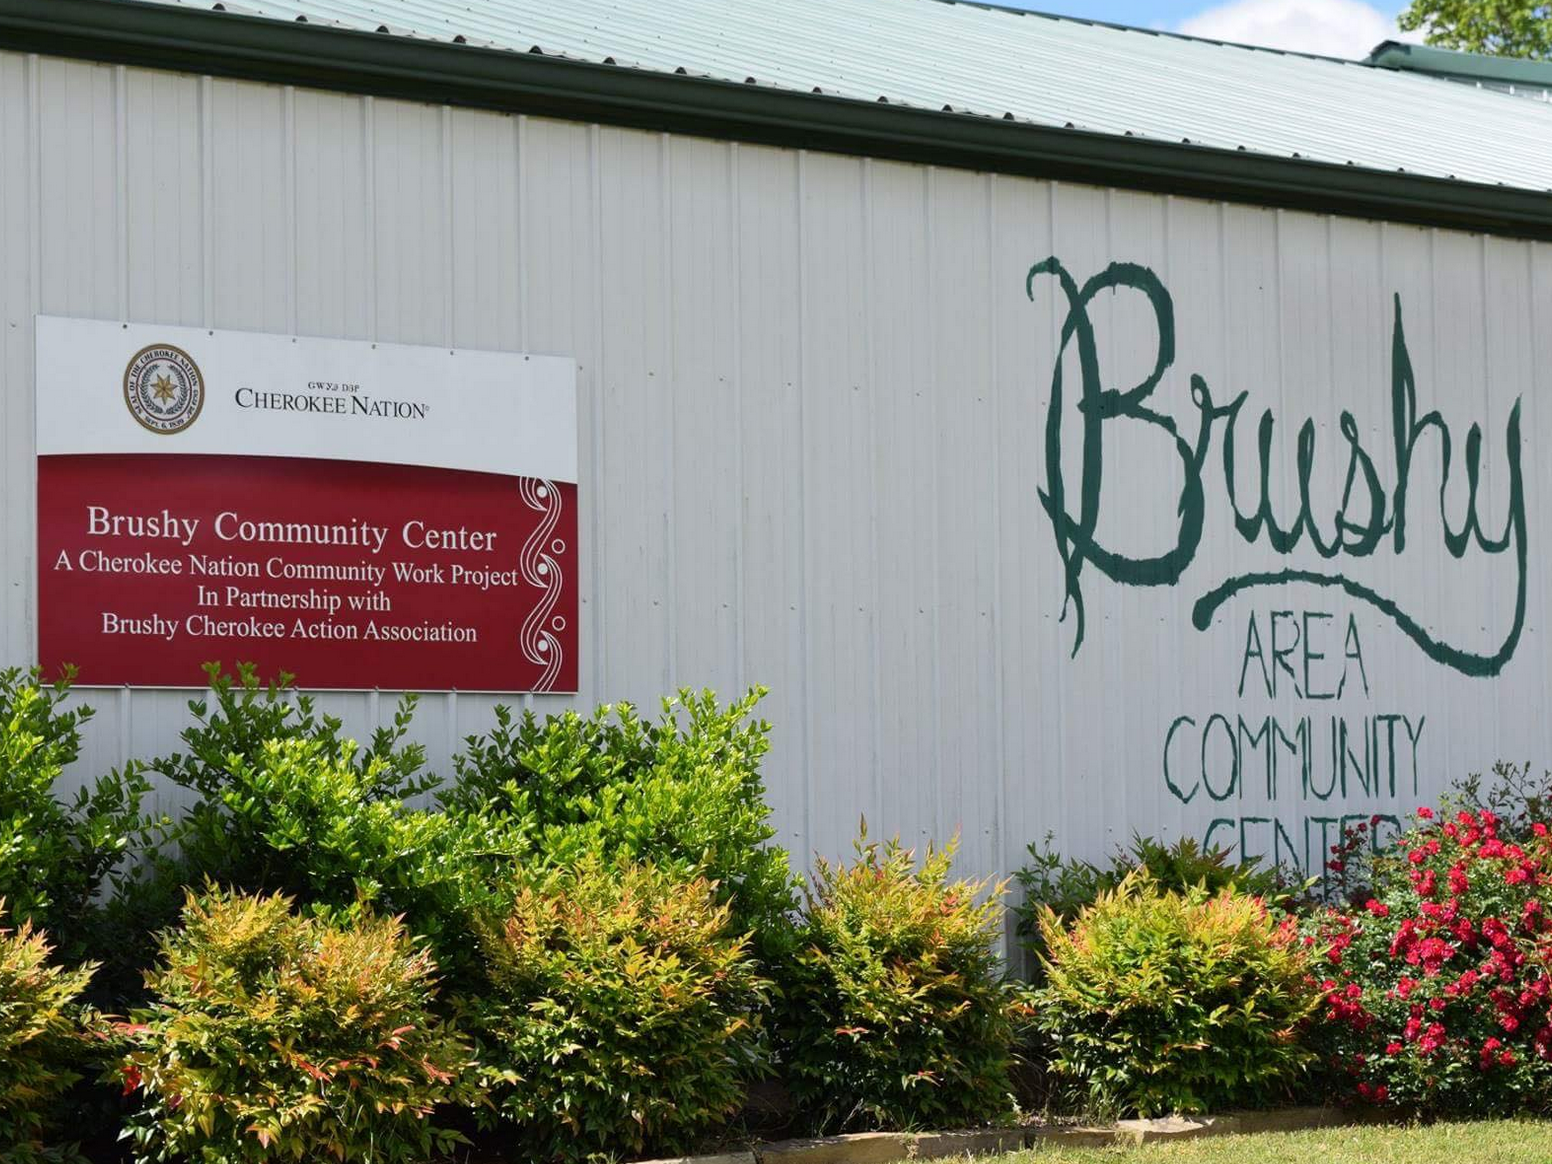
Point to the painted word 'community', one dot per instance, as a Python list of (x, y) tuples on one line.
[(1368, 517)]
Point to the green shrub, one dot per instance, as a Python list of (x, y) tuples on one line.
[(276, 1036), (1066, 886), (226, 836), (284, 804), (38, 1028), (1162, 1001), (247, 713), (55, 856), (895, 1012), (621, 1014), (301, 816), (684, 794)]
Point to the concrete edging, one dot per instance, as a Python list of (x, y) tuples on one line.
[(889, 1147)]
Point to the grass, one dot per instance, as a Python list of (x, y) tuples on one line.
[(1498, 1142)]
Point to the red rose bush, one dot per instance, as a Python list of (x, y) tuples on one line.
[(1436, 985)]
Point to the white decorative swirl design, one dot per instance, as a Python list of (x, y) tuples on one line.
[(540, 568)]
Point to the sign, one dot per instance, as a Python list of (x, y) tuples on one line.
[(362, 515)]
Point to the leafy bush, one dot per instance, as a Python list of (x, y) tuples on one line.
[(1438, 995), (272, 1035), (895, 1012), (621, 1014), (684, 793), (300, 818), (247, 714), (56, 856), (285, 805), (222, 837), (38, 1028), (1161, 1001), (1066, 886)]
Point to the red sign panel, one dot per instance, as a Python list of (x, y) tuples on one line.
[(346, 574)]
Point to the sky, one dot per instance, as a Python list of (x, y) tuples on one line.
[(1340, 28)]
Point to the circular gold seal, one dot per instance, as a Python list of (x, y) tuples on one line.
[(164, 389)]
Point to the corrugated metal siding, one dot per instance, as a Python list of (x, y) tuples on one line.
[(813, 400), (992, 62)]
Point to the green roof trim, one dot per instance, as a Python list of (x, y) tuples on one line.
[(1438, 62), (311, 55)]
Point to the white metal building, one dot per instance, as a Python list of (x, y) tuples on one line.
[(1044, 411)]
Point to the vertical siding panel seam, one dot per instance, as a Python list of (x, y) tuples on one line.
[(1487, 381), (126, 711), (374, 702), (520, 226), (1487, 384), (1163, 252), (449, 274), (667, 317), (736, 388), (1331, 321), (35, 297), (445, 159), (207, 201), (369, 187), (994, 418), (35, 186), (1333, 380), (1290, 475), (1108, 649), (1430, 685), (1289, 465), (288, 155), (207, 252), (805, 675), (934, 395), (870, 371), (519, 211), (121, 297), (1152, 804), (595, 403), (1053, 331), (1531, 282), (120, 193)]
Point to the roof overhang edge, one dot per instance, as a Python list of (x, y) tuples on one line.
[(229, 45)]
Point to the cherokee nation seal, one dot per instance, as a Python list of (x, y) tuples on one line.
[(164, 389)]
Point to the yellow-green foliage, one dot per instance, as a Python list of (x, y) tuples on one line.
[(621, 1015), (1169, 1001), (273, 1036), (896, 1013), (37, 1027), (683, 793)]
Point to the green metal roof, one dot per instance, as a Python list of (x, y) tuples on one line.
[(980, 60)]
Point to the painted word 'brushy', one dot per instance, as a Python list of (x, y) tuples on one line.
[(1368, 517)]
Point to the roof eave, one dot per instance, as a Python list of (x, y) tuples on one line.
[(230, 45)]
